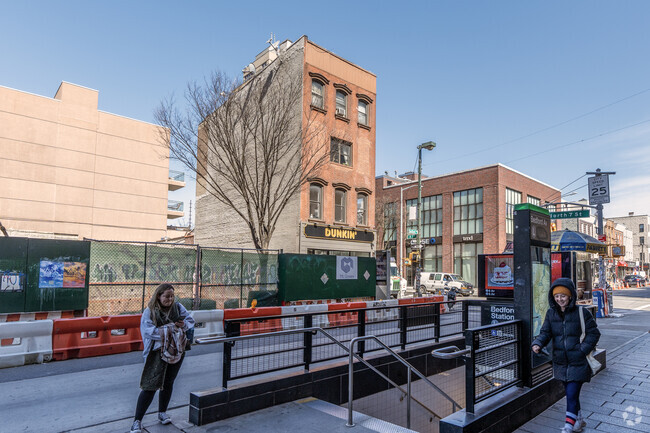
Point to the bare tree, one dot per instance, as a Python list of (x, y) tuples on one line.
[(249, 145), (387, 221)]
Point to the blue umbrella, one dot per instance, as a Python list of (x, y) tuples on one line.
[(568, 240)]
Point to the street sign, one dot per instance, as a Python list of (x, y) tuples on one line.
[(584, 213), (599, 189), (602, 238), (411, 236), (413, 231)]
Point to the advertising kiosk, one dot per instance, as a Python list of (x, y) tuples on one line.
[(532, 280)]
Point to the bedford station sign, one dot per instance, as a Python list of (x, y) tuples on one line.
[(338, 233)]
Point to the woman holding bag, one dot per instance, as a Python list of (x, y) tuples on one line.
[(163, 326), (562, 325)]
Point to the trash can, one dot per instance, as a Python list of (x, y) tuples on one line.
[(599, 302)]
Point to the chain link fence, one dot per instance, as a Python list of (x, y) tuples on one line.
[(124, 275)]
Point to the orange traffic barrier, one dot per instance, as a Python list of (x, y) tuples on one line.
[(261, 320), (95, 336), (339, 317)]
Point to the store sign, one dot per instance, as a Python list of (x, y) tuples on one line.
[(618, 251), (338, 233), (540, 227), (476, 237)]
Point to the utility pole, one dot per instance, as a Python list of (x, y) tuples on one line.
[(598, 195), (429, 145)]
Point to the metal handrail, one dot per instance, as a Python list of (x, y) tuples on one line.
[(351, 353), (408, 392)]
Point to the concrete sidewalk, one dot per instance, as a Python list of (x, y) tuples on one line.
[(616, 400)]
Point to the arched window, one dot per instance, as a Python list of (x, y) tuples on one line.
[(317, 94), (341, 103), (315, 201), (362, 209), (363, 108), (340, 196)]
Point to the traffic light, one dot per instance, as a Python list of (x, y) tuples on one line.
[(415, 257), (553, 227)]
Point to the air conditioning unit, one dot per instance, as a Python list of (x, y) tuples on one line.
[(340, 111)]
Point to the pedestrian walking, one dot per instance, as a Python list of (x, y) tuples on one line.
[(163, 326), (562, 326)]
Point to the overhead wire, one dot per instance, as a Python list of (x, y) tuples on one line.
[(539, 131)]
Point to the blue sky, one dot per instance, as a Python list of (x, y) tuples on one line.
[(552, 89)]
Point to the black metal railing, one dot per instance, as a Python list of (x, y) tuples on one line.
[(175, 205), (178, 176), (492, 360), (252, 346)]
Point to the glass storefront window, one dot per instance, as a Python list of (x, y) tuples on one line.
[(465, 260)]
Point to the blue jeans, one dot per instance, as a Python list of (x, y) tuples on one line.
[(572, 390)]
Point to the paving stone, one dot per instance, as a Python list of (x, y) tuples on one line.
[(618, 421)]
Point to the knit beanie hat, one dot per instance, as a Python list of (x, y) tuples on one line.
[(561, 290)]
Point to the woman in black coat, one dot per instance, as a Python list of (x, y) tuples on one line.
[(562, 327)]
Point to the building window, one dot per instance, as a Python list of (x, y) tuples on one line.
[(534, 200), (465, 261), (641, 228), (362, 209), (432, 258), (315, 201), (468, 211), (339, 205), (363, 113), (431, 223), (642, 240), (512, 198), (317, 94), (341, 152), (341, 103)]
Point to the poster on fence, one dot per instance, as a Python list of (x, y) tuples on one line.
[(346, 267), (50, 274), (54, 275), (11, 282)]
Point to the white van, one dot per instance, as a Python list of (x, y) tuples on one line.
[(440, 282)]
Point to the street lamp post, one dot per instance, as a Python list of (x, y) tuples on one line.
[(402, 248), (429, 145)]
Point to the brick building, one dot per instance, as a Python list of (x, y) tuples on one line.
[(334, 211), (638, 225), (463, 214)]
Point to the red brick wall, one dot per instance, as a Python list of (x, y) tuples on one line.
[(362, 172), (494, 180)]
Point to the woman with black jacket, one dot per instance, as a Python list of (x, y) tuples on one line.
[(562, 327)]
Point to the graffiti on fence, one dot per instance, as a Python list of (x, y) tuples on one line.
[(228, 274), (125, 263)]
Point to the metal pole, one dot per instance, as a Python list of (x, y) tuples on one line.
[(350, 384), (408, 400), (418, 268), (402, 247)]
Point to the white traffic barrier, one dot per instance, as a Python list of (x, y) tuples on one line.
[(32, 343), (382, 314), (209, 323), (319, 318)]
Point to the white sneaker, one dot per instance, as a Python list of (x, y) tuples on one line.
[(579, 425), (566, 429), (136, 427), (164, 418)]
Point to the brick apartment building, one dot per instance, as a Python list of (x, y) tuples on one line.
[(464, 214), (334, 212)]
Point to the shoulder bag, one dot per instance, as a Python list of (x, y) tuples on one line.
[(591, 360)]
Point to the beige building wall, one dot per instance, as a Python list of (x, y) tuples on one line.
[(70, 170)]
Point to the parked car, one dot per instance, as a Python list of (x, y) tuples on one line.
[(635, 280), (441, 282)]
